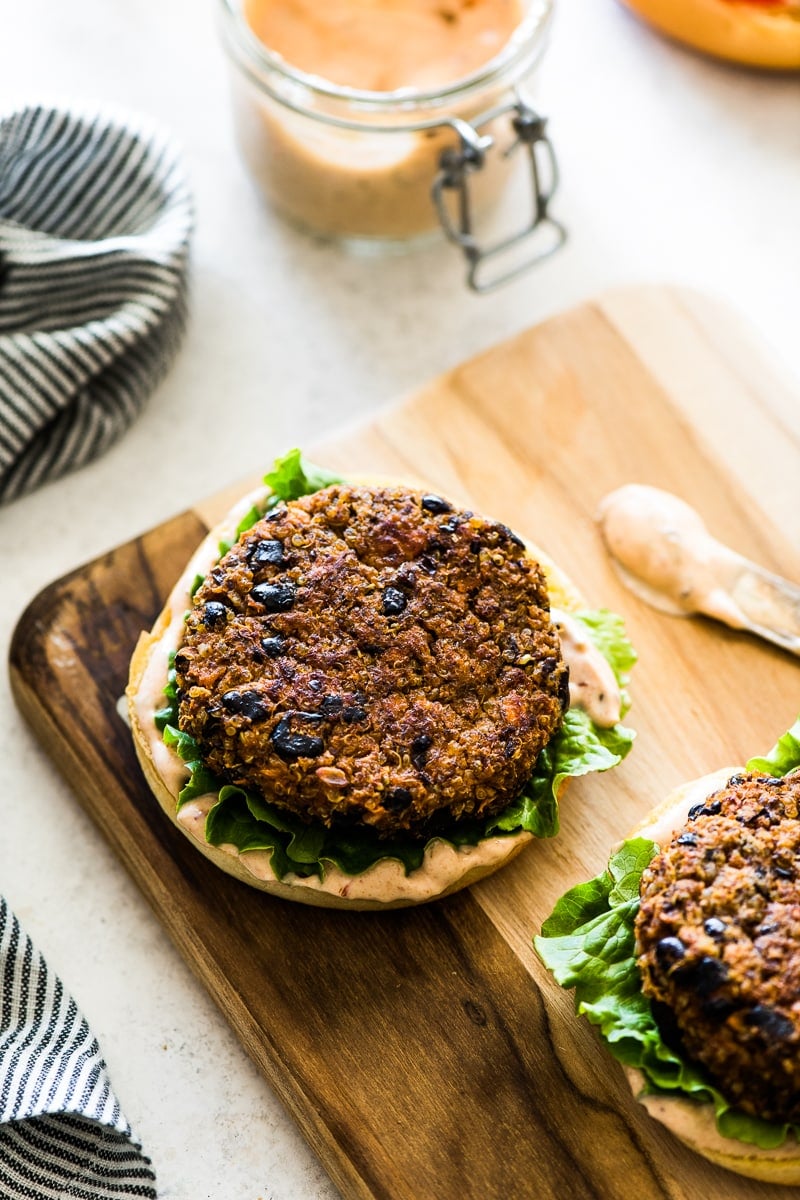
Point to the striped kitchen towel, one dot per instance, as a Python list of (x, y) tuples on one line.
[(62, 1133), (95, 222)]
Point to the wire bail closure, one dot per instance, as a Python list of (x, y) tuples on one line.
[(457, 163)]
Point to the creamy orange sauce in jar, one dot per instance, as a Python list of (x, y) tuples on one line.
[(382, 45), (330, 95)]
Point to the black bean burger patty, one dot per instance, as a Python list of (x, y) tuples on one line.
[(372, 655), (718, 935)]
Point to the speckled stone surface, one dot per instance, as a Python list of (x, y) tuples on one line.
[(674, 169)]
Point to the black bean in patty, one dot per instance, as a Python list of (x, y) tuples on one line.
[(266, 551), (274, 597)]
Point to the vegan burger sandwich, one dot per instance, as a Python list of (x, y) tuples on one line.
[(357, 694), (685, 953)]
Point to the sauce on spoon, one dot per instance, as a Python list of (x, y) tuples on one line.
[(666, 556)]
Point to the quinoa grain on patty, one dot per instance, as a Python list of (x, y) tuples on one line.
[(373, 656), (718, 937)]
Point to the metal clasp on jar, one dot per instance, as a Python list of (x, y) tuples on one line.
[(452, 183)]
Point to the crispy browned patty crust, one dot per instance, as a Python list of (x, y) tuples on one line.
[(372, 655), (718, 934)]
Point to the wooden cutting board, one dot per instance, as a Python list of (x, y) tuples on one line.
[(425, 1052)]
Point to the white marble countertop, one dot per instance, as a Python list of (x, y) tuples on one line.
[(674, 169)]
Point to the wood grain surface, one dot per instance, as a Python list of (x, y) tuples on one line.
[(425, 1052)]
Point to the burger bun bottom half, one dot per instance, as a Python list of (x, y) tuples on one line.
[(446, 868), (694, 1123)]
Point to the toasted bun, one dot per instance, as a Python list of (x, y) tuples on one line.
[(694, 1123), (757, 34), (446, 868)]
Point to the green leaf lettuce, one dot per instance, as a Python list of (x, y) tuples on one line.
[(783, 757), (294, 476)]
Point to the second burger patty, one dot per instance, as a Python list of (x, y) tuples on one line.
[(373, 656), (718, 935)]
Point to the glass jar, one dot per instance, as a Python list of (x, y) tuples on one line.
[(382, 170)]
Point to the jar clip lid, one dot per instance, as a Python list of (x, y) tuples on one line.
[(457, 163)]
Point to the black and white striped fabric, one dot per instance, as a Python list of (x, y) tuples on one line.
[(62, 1133), (95, 223)]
